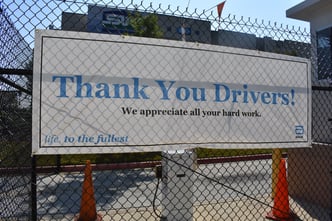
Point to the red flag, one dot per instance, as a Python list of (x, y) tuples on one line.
[(220, 8)]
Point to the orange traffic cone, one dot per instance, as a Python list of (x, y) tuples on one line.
[(281, 210), (88, 202)]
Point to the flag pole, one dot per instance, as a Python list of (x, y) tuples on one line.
[(214, 6), (211, 8), (183, 26), (220, 7), (188, 3)]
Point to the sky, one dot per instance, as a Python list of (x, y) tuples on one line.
[(27, 15), (267, 10)]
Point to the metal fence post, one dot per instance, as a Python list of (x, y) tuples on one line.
[(58, 163), (331, 196), (33, 189)]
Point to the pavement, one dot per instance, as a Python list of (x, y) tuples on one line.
[(242, 210), (123, 195)]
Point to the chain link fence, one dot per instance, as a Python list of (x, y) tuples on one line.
[(197, 184)]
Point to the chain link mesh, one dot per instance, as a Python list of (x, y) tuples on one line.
[(204, 184)]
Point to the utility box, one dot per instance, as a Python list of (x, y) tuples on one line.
[(178, 179)]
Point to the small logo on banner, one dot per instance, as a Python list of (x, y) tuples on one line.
[(299, 131)]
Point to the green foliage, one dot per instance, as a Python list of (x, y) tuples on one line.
[(15, 154), (145, 25), (29, 66), (209, 153), (141, 157), (51, 160)]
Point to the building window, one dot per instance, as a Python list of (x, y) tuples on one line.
[(324, 53)]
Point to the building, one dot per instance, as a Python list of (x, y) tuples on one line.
[(73, 22), (311, 168), (318, 13), (250, 41), (116, 21)]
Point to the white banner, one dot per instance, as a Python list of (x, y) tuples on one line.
[(99, 93)]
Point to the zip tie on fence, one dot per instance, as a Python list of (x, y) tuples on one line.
[(226, 186)]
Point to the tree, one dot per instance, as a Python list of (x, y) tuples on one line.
[(29, 66), (145, 25)]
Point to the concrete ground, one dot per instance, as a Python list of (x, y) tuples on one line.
[(236, 211), (242, 210)]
